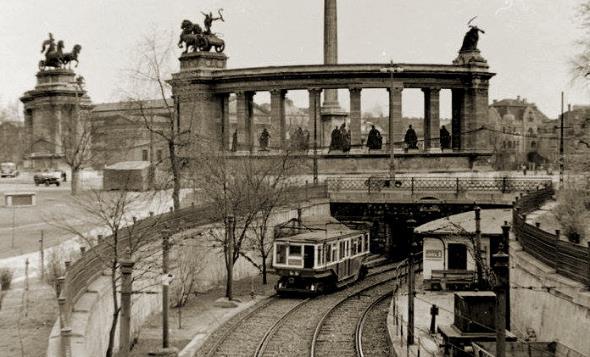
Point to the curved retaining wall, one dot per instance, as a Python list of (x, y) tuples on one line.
[(90, 316), (555, 307)]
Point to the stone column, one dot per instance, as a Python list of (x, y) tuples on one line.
[(474, 116), (330, 47), (314, 113), (456, 119), (245, 119), (278, 129), (250, 124), (395, 117), (431, 118), (226, 133), (242, 118), (355, 117)]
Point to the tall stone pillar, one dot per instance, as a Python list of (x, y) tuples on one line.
[(456, 118), (355, 117), (314, 113), (226, 133), (474, 116), (50, 109), (278, 129), (431, 118), (332, 114), (330, 49), (395, 117)]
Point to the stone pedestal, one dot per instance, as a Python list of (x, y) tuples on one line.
[(470, 58), (50, 110), (202, 111), (202, 61)]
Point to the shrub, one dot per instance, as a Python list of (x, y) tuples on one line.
[(5, 278), (54, 267), (571, 212)]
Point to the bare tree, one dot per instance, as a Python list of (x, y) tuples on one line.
[(112, 211), (580, 63), (76, 137), (273, 193), (189, 261), (148, 81), (241, 191)]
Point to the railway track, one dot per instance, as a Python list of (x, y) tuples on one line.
[(286, 327), (370, 334)]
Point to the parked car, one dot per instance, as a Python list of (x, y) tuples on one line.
[(8, 169), (47, 178)]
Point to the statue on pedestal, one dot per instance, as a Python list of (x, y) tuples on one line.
[(471, 37), (195, 38), (54, 55), (469, 54)]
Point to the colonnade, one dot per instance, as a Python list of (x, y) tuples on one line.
[(462, 104)]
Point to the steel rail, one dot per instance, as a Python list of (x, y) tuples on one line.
[(361, 322)]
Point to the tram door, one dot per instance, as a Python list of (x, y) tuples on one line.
[(308, 256)]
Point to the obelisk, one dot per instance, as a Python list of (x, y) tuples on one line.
[(332, 114)]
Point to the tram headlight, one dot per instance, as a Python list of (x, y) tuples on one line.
[(312, 287)]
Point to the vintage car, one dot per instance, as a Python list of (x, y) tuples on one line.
[(47, 178), (8, 169)]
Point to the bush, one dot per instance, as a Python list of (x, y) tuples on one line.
[(5, 278), (571, 212), (54, 266)]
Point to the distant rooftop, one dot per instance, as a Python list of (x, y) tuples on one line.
[(491, 223)]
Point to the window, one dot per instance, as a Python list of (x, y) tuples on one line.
[(144, 155), (354, 247), (281, 254), (334, 251), (294, 251), (342, 250), (328, 254), (320, 256)]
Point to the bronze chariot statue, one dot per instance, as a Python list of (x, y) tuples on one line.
[(195, 39), (54, 55)]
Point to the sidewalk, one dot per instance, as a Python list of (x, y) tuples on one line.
[(200, 318)]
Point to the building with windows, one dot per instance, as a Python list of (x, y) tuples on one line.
[(12, 142), (520, 134)]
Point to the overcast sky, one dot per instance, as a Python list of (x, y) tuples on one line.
[(528, 43)]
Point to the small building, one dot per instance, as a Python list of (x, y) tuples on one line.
[(127, 175), (448, 247)]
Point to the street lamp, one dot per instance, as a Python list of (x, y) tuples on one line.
[(393, 68)]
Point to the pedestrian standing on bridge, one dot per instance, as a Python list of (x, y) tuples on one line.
[(411, 139)]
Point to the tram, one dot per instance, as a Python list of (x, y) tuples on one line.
[(319, 261)]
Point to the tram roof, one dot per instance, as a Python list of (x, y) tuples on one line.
[(321, 236)]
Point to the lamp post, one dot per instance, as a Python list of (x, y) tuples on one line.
[(393, 68)]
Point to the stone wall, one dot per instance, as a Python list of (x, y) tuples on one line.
[(554, 307)]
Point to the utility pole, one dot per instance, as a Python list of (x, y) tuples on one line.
[(42, 256), (411, 224), (477, 247), (393, 68), (165, 283), (126, 266), (500, 287), (229, 238), (561, 151)]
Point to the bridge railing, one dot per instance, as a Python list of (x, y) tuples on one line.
[(379, 184), (568, 259)]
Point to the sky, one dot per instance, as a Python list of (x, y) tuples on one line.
[(528, 43)]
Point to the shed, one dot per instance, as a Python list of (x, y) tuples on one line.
[(447, 248), (127, 175)]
